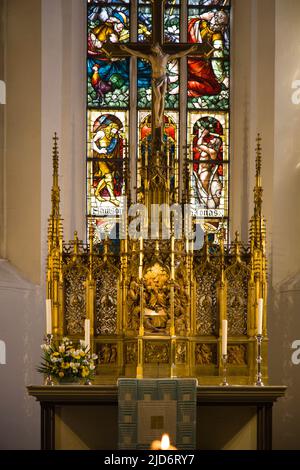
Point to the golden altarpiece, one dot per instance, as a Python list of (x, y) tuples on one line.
[(156, 306)]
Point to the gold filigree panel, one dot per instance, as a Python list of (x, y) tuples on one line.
[(206, 300), (106, 278), (237, 299), (75, 299)]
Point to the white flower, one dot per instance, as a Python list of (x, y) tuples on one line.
[(92, 367), (45, 347), (61, 348), (149, 94), (94, 356), (172, 29)]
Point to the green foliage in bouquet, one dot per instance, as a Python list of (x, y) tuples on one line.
[(66, 361)]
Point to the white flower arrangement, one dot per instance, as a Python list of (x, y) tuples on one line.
[(65, 361)]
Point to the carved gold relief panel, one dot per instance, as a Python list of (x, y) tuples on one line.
[(205, 354), (157, 352), (107, 353), (237, 354)]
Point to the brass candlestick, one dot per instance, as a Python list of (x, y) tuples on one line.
[(48, 379), (224, 363), (259, 381)]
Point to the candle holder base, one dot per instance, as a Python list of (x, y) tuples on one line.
[(48, 381), (48, 378), (259, 382), (224, 383), (173, 371)]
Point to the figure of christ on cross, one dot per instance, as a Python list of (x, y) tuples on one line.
[(159, 61), (158, 54)]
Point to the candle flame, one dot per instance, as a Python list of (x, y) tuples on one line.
[(165, 442)]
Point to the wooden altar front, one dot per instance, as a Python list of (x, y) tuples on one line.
[(86, 417)]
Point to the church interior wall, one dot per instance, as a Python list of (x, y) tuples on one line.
[(284, 269), (46, 93), (2, 101), (23, 136)]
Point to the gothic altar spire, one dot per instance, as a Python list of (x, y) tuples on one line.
[(55, 221), (257, 223)]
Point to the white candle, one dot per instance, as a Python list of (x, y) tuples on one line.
[(260, 316), (87, 333), (48, 317), (187, 244), (224, 337)]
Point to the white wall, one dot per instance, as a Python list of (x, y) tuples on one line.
[(63, 110), (285, 260), (20, 323), (45, 73)]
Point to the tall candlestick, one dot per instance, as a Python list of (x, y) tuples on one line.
[(48, 317), (87, 333), (172, 257), (224, 337), (141, 258), (260, 316)]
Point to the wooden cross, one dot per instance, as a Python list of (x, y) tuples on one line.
[(158, 53)]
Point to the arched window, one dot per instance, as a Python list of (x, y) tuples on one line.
[(196, 104)]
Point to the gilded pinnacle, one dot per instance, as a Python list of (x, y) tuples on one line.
[(55, 154), (258, 155)]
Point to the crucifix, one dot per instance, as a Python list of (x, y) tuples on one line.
[(158, 54)]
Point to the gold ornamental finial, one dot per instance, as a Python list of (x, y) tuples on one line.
[(258, 155), (237, 243), (206, 247), (55, 154), (256, 223), (91, 231), (55, 231), (55, 196), (75, 243)]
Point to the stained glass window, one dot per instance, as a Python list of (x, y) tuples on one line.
[(119, 104), (208, 112), (108, 98)]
